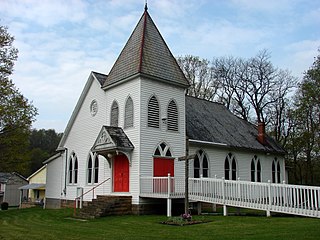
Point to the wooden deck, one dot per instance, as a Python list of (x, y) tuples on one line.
[(270, 197)]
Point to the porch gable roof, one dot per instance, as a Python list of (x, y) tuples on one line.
[(112, 139)]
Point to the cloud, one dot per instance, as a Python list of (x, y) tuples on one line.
[(300, 55), (273, 6), (45, 12)]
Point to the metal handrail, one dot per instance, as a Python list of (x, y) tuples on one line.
[(92, 189)]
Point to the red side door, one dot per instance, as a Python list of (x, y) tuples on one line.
[(120, 174), (161, 168)]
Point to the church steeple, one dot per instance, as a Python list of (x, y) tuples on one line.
[(147, 54), (146, 6)]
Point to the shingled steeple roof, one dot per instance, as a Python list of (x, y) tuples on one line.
[(147, 54)]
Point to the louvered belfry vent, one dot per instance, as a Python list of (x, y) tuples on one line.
[(153, 112), (172, 116)]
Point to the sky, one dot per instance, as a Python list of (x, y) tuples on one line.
[(61, 41)]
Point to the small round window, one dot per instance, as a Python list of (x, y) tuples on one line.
[(94, 107)]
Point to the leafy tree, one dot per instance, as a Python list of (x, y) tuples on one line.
[(307, 125), (16, 113), (43, 144)]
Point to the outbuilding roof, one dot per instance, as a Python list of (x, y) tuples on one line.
[(5, 176), (212, 122), (33, 186)]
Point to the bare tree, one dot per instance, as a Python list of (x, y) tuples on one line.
[(230, 73), (200, 75)]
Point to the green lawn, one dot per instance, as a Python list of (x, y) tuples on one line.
[(37, 223)]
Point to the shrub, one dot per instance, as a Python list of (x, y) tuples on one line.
[(4, 206)]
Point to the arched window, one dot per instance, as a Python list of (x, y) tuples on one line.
[(163, 162), (96, 169), (234, 169), (230, 160), (273, 172), (70, 170), (226, 168), (258, 171), (255, 169), (114, 114), (75, 170), (153, 112), (200, 165), (128, 113), (276, 171), (89, 170), (172, 113), (196, 167), (162, 150)]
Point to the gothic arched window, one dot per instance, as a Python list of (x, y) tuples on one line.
[(114, 119), (230, 160), (200, 165), (128, 113)]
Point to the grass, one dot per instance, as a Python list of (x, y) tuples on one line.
[(37, 223)]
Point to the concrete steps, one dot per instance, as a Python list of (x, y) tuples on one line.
[(105, 206)]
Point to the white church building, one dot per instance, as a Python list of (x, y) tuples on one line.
[(134, 123)]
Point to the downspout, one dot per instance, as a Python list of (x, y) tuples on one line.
[(65, 172)]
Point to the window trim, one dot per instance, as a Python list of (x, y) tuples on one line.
[(114, 107), (232, 172), (255, 169), (126, 116), (73, 172), (201, 156), (276, 171)]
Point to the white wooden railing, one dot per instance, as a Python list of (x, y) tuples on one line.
[(269, 197)]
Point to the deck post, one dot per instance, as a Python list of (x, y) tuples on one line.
[(225, 210), (169, 207), (270, 200), (169, 201)]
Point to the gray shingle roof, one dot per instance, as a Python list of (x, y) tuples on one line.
[(4, 177), (146, 53), (100, 77), (119, 137), (112, 138), (213, 122)]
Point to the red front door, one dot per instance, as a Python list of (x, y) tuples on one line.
[(120, 174)]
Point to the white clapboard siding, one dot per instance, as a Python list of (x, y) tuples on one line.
[(83, 133), (216, 157), (152, 137), (120, 94), (55, 177)]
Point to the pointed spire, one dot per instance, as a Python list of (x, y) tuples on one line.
[(146, 6), (146, 53)]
